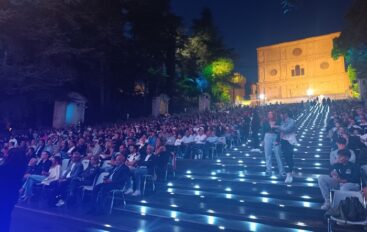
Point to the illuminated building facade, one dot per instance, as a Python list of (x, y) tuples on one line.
[(296, 70)]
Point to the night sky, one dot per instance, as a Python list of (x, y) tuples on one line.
[(248, 24)]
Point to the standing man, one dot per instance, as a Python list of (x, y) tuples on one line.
[(287, 142)]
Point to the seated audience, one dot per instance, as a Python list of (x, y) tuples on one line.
[(72, 172), (116, 179), (45, 179), (344, 175), (144, 166), (341, 143)]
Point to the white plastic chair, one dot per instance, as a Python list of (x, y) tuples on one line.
[(106, 164), (338, 196), (85, 163), (114, 192), (98, 180)]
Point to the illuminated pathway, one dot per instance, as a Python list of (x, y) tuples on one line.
[(231, 193)]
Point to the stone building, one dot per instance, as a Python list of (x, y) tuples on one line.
[(297, 70)]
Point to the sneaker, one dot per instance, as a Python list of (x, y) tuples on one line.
[(326, 205), (129, 191), (289, 179), (60, 203), (136, 193)]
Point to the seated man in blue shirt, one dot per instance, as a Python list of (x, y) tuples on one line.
[(344, 175)]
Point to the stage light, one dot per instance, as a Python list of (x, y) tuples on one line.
[(211, 220)]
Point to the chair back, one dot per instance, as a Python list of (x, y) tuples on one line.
[(85, 164), (342, 195), (106, 164), (222, 140), (101, 177), (64, 164)]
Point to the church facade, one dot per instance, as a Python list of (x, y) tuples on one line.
[(297, 70)]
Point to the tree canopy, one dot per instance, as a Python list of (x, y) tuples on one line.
[(113, 52)]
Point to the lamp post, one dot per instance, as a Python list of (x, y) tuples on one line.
[(309, 93), (262, 98)]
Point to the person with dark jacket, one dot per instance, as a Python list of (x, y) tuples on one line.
[(44, 164), (72, 172), (11, 176), (344, 175), (145, 166), (115, 180), (87, 178)]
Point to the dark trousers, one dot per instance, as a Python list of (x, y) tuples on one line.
[(59, 191), (255, 139), (287, 151), (186, 147), (100, 195)]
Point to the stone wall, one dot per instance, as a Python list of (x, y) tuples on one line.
[(288, 70)]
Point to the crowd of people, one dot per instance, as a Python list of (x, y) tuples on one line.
[(347, 131), (63, 160)]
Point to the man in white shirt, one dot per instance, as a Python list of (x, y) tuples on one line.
[(187, 142), (200, 140), (144, 166)]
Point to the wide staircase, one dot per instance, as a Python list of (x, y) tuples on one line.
[(233, 193)]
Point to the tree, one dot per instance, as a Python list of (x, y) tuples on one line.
[(352, 42), (153, 37), (49, 48), (205, 55)]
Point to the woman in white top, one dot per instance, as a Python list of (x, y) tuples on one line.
[(53, 175)]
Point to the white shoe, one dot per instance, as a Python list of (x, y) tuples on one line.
[(129, 191), (136, 193), (289, 179), (326, 206), (255, 150), (60, 203)]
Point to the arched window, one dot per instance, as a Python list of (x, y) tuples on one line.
[(298, 71)]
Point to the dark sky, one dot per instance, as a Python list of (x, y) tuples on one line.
[(248, 24)]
